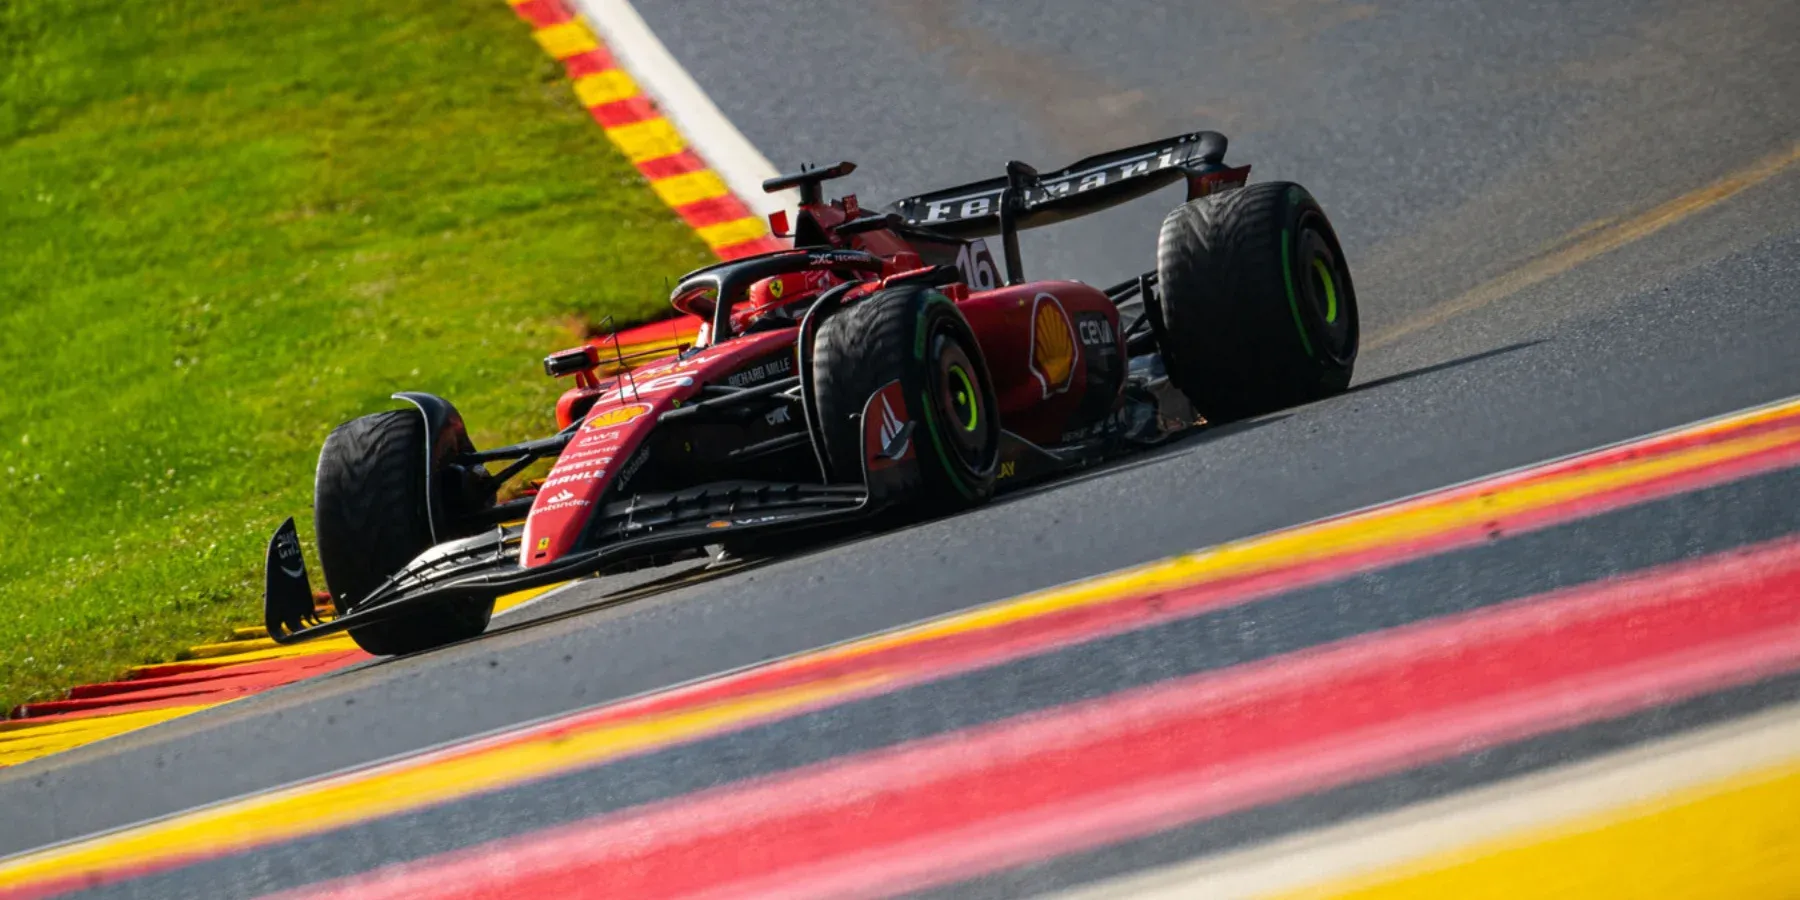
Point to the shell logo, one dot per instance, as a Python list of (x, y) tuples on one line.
[(1052, 345), (617, 416)]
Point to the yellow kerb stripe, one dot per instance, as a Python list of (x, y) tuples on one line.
[(25, 741), (1738, 838), (514, 599), (609, 86), (1335, 536), (736, 231), (571, 38), (649, 139), (237, 653), (336, 644), (230, 648), (692, 187), (409, 784), (311, 808)]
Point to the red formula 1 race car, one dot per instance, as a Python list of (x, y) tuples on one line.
[(884, 367)]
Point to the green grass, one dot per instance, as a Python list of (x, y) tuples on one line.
[(227, 226)]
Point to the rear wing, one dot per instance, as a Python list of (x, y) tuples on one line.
[(1093, 184)]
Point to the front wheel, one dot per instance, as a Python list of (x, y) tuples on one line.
[(370, 517), (1258, 309), (914, 337)]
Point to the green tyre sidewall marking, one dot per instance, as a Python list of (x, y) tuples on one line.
[(1287, 276), (919, 327), (937, 443)]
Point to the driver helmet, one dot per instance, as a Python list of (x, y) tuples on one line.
[(781, 292)]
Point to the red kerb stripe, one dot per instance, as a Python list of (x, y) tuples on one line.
[(944, 656), (592, 62), (674, 164), (543, 13), (763, 244), (951, 807), (624, 112), (714, 211)]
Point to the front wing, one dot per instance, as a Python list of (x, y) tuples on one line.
[(487, 564)]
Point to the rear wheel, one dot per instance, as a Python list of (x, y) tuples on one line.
[(916, 336), (370, 517), (1258, 310)]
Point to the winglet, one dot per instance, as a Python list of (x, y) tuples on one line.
[(287, 593)]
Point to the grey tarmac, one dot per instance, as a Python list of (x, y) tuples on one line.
[(1451, 143)]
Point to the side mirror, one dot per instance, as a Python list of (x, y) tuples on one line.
[(569, 362), (699, 300)]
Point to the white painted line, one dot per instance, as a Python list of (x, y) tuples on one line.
[(1522, 805), (707, 130)]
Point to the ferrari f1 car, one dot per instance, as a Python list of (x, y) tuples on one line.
[(884, 367)]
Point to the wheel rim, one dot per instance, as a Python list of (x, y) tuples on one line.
[(1326, 297), (960, 402), (965, 408), (1323, 282)]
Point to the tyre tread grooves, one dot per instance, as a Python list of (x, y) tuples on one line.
[(1225, 306), (370, 519)]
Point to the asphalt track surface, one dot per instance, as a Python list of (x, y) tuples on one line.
[(1455, 145)]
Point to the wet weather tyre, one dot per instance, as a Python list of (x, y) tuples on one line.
[(1258, 310), (916, 335), (370, 517)]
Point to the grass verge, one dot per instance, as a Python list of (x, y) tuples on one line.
[(227, 226)]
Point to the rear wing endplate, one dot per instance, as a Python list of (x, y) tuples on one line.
[(1093, 184)]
